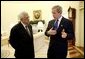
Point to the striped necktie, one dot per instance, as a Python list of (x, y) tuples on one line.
[(56, 25), (27, 29)]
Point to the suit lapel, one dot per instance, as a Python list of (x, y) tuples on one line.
[(24, 30), (61, 23), (22, 27), (53, 23), (30, 29)]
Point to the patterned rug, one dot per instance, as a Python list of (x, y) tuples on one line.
[(5, 53)]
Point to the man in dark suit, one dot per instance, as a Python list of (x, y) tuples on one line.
[(59, 30), (21, 38)]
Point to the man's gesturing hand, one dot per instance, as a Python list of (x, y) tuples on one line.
[(52, 32)]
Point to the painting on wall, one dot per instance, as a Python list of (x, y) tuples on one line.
[(37, 15)]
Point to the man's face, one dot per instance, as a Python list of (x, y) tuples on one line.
[(55, 13), (25, 18)]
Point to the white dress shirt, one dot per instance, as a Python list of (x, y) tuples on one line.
[(25, 28), (59, 20)]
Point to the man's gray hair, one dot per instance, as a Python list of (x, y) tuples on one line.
[(22, 14), (58, 8)]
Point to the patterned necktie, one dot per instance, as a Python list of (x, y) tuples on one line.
[(56, 25), (27, 29)]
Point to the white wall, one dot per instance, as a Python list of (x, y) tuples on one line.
[(80, 25), (11, 9), (81, 28)]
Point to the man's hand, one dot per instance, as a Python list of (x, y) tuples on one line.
[(63, 34), (52, 32)]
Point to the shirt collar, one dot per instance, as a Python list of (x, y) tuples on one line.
[(23, 24), (59, 19)]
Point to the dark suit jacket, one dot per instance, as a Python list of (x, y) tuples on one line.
[(21, 41), (58, 45)]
